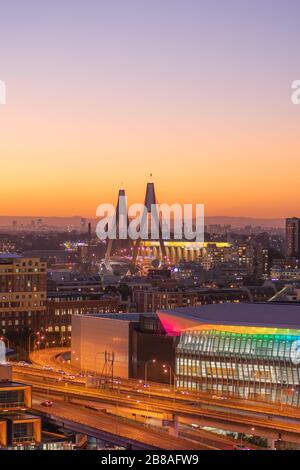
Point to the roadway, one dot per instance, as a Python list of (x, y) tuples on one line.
[(217, 414), (135, 391), (214, 441), (53, 357), (112, 429), (266, 419)]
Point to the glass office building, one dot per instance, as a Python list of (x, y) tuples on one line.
[(245, 350)]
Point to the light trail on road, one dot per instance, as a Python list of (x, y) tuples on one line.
[(111, 425)]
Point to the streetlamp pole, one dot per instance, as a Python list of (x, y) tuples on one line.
[(3, 338), (29, 345), (174, 378), (146, 368)]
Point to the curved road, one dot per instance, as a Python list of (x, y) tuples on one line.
[(116, 427)]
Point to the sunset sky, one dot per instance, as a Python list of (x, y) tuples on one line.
[(101, 93)]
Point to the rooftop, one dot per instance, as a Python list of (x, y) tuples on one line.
[(131, 317), (9, 384), (266, 315), (21, 417), (9, 256)]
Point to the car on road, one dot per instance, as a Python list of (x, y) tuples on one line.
[(240, 447), (46, 367), (219, 397), (23, 364), (47, 403), (68, 377)]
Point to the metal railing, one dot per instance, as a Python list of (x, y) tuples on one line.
[(15, 404), (23, 439)]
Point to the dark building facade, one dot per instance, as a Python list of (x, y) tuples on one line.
[(292, 233), (151, 350), (23, 292), (61, 306), (150, 300)]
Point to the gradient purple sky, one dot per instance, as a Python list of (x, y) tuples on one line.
[(101, 93)]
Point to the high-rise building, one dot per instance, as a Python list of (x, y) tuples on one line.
[(262, 266), (22, 292), (292, 233)]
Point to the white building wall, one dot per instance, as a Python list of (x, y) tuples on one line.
[(92, 336)]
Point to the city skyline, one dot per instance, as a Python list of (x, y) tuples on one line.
[(149, 229), (197, 94)]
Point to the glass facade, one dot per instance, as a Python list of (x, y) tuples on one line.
[(12, 398), (23, 432), (249, 362)]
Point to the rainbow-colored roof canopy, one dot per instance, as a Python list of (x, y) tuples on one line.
[(249, 318)]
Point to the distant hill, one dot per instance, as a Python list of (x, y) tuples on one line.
[(75, 221), (243, 221)]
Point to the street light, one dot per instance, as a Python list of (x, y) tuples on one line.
[(30, 335), (38, 341), (153, 361), (146, 368), (3, 338)]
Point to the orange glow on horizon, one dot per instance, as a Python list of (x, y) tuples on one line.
[(64, 165), (201, 101)]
